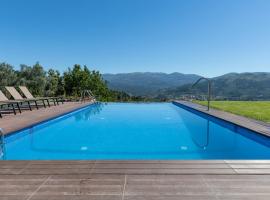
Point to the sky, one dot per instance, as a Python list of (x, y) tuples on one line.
[(205, 37)]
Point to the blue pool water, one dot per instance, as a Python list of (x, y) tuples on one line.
[(135, 131)]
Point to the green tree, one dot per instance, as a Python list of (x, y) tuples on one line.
[(34, 78), (78, 79), (8, 76), (73, 80), (98, 86), (54, 83)]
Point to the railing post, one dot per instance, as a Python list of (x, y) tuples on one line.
[(209, 90), (209, 95)]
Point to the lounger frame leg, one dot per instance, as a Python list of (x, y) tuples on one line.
[(19, 108), (13, 108), (36, 105), (29, 105), (48, 102), (43, 101)]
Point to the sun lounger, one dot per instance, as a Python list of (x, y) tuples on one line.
[(21, 104), (16, 95), (8, 106), (28, 95)]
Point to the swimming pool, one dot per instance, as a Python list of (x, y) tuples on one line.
[(135, 131)]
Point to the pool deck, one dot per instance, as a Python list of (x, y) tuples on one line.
[(135, 180), (127, 180), (254, 125), (10, 123)]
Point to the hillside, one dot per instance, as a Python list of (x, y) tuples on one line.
[(147, 84), (238, 86)]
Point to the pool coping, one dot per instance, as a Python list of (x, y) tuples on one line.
[(83, 105), (250, 124)]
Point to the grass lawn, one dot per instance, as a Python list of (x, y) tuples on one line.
[(259, 110)]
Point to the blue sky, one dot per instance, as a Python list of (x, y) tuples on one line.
[(190, 36)]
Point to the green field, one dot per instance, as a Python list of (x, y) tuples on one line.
[(259, 110)]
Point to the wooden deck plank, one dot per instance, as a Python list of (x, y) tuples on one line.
[(55, 171), (252, 171), (171, 197), (162, 161), (76, 197), (243, 196), (165, 171), (161, 166), (80, 190), (247, 161), (133, 181)]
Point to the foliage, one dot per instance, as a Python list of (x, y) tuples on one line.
[(7, 75), (259, 110), (78, 79), (52, 83), (33, 77)]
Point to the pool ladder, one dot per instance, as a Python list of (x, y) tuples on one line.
[(84, 93)]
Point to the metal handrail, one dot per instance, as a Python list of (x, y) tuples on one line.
[(209, 90), (90, 94)]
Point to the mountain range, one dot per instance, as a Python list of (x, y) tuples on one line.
[(238, 86), (148, 83)]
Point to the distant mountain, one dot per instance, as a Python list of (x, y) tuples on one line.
[(234, 86), (238, 86), (148, 83)]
